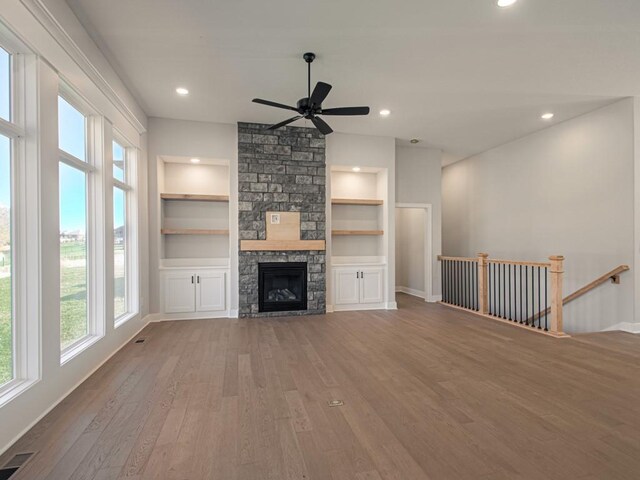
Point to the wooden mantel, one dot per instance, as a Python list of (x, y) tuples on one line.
[(283, 233), (281, 245)]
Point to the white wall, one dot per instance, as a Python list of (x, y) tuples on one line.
[(418, 180), (180, 138), (566, 190), (368, 151), (56, 61), (410, 250)]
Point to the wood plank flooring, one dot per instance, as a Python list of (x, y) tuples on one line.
[(428, 392)]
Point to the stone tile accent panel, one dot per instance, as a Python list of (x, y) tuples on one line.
[(282, 170)]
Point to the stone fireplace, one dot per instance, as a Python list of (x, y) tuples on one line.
[(281, 171)]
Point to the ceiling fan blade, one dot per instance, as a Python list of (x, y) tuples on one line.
[(346, 111), (320, 93), (286, 122), (273, 104), (321, 125)]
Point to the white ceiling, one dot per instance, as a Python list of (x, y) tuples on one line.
[(462, 75)]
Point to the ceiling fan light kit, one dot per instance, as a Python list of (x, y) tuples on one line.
[(310, 107)]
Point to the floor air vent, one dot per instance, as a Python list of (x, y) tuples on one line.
[(14, 465)]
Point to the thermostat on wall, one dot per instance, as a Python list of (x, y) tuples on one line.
[(275, 219)]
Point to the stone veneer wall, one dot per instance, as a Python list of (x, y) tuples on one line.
[(282, 171)]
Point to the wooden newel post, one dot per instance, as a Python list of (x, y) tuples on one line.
[(483, 283), (556, 272)]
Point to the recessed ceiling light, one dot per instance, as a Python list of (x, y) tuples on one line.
[(195, 160), (182, 91), (414, 140), (356, 169), (547, 116), (385, 113), (506, 3)]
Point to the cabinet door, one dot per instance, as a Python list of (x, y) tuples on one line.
[(179, 292), (211, 291), (372, 285), (346, 286)]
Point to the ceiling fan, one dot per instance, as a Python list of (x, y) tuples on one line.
[(311, 106)]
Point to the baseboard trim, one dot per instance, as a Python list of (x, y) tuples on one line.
[(628, 327), (178, 317), (145, 322), (434, 299), (410, 291)]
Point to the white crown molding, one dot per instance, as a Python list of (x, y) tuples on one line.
[(39, 10)]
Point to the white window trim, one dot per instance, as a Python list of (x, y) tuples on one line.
[(131, 228), (94, 140), (25, 219)]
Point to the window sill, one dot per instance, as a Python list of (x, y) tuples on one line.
[(121, 320), (77, 348), (14, 389)]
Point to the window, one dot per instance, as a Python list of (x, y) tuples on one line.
[(5, 85), (19, 256), (6, 277), (122, 238), (74, 228)]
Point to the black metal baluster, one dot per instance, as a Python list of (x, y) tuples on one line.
[(445, 276), (459, 285), (539, 302), (504, 291), (499, 292), (520, 309), (489, 290), (445, 293), (533, 299), (510, 310), (466, 284), (546, 305), (492, 291), (475, 272), (469, 286), (526, 294)]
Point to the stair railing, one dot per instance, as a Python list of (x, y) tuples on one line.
[(525, 294)]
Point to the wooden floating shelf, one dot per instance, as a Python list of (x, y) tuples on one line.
[(281, 245), (355, 201), (194, 198), (357, 232), (192, 231)]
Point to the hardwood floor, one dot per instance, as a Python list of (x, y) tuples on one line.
[(428, 392)]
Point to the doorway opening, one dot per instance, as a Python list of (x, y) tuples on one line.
[(414, 250)]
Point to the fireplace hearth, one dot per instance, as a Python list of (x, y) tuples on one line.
[(282, 286)]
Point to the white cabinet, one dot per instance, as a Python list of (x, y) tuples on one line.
[(371, 285), (358, 287), (194, 291), (210, 291), (346, 286), (179, 292)]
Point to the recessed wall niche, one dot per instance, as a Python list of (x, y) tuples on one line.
[(194, 211)]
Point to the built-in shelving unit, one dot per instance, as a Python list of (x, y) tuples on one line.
[(358, 208), (359, 223), (357, 232), (194, 209)]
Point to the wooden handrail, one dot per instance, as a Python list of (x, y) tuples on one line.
[(613, 275)]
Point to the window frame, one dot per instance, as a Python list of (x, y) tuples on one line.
[(25, 218), (131, 229), (94, 219)]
